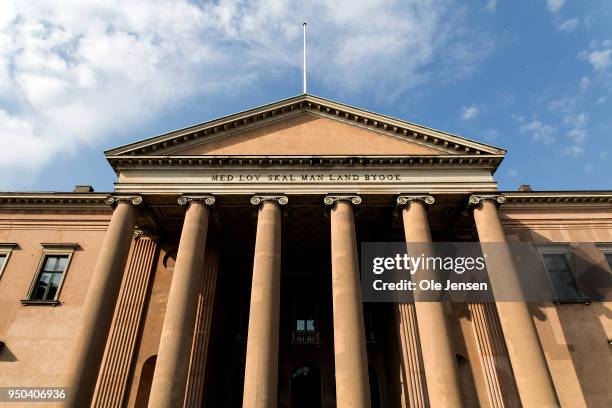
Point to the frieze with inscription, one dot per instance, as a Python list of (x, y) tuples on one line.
[(331, 177)]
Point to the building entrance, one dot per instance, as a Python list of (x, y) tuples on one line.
[(305, 388)]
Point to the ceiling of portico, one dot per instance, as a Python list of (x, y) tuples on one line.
[(306, 226)]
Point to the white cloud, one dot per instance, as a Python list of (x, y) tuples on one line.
[(601, 100), (579, 120), (572, 151), (77, 74), (19, 136), (572, 128), (490, 135), (563, 104), (554, 5), (469, 112), (585, 83), (491, 5), (600, 60), (569, 25), (540, 132), (577, 133)]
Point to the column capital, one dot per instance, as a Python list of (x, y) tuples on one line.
[(406, 199), (187, 199), (333, 199), (145, 232), (259, 199), (477, 199), (113, 200)]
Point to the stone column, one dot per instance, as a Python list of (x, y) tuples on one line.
[(202, 330), (261, 370), (435, 336), (173, 356), (533, 379), (351, 360), (118, 359), (97, 312), (414, 384)]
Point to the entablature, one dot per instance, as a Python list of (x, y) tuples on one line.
[(565, 199)]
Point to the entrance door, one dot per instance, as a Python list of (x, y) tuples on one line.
[(306, 388)]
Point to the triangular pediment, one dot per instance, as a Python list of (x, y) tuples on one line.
[(306, 125), (305, 134)]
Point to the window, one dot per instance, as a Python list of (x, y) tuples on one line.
[(305, 316), (305, 325), (3, 259), (5, 253), (606, 248), (49, 277), (609, 259), (561, 274)]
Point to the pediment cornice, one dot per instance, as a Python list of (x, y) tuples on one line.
[(490, 162), (166, 144)]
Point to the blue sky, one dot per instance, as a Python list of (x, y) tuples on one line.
[(533, 77)]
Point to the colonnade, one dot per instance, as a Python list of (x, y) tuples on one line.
[(261, 371)]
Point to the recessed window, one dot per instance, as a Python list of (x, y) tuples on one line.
[(47, 283), (609, 259), (305, 315), (5, 253), (606, 248), (305, 324), (170, 260), (561, 277), (50, 277)]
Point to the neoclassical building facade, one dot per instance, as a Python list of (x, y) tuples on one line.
[(223, 271)]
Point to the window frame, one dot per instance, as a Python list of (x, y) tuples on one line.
[(606, 249), (561, 248), (50, 249), (6, 249)]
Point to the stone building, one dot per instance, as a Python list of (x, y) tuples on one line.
[(222, 272)]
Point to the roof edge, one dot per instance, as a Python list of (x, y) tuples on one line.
[(321, 105)]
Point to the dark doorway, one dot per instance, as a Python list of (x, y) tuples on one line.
[(374, 387), (306, 388)]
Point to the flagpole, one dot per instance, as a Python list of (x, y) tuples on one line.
[(304, 57)]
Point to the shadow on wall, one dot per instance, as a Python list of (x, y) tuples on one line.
[(466, 382), (6, 355), (583, 336)]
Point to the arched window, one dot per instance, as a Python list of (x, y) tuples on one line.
[(170, 260), (146, 379)]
